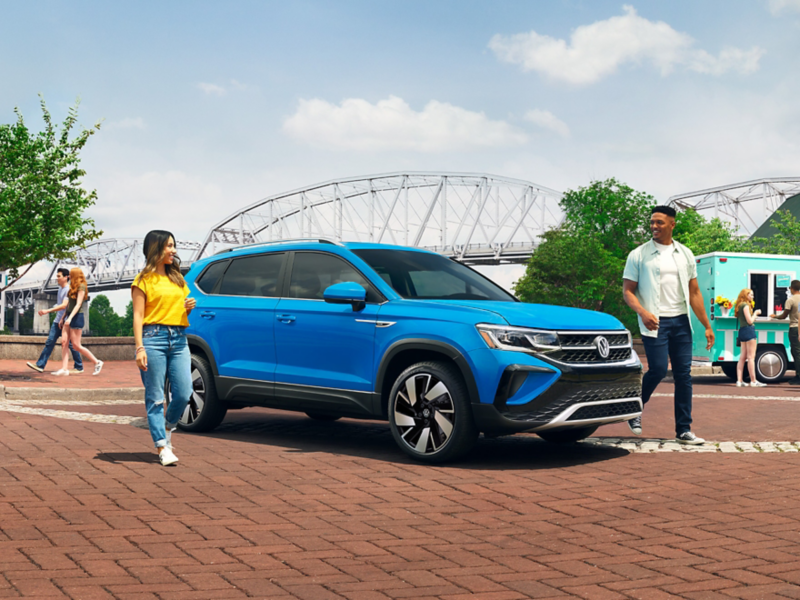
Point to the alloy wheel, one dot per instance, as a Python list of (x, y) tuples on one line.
[(424, 413)]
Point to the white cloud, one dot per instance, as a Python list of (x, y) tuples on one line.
[(391, 124), (597, 50), (778, 6), (547, 120), (212, 89), (126, 123)]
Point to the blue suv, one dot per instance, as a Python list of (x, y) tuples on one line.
[(374, 331)]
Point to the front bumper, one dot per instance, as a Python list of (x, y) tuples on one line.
[(580, 397)]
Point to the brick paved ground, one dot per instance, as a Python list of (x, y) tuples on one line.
[(275, 505)]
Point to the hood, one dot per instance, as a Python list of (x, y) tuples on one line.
[(545, 316)]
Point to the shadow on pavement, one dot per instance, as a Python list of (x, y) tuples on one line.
[(127, 457), (371, 439)]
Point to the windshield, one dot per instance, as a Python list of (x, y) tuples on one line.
[(424, 276)]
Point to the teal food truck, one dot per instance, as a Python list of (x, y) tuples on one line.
[(769, 276)]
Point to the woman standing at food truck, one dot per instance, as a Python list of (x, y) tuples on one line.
[(747, 337)]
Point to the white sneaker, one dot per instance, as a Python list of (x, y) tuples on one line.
[(167, 457), (64, 372), (99, 367), (757, 384), (741, 384), (687, 437)]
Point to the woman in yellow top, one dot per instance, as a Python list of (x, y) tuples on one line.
[(160, 317)]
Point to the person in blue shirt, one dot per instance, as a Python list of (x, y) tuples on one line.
[(62, 278), (660, 284)]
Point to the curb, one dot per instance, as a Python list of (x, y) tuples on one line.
[(28, 393)]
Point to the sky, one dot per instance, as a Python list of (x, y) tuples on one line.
[(206, 107)]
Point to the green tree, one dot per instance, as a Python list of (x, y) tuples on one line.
[(581, 263), (702, 236), (786, 241), (610, 212), (41, 198), (126, 322), (102, 318)]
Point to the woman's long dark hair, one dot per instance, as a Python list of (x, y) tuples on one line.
[(155, 247)]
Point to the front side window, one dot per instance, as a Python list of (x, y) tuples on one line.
[(425, 276), (253, 276), (211, 275), (314, 272)]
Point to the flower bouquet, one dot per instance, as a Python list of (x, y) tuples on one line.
[(725, 305)]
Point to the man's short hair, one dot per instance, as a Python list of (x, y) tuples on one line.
[(664, 210), (795, 285), (64, 272)]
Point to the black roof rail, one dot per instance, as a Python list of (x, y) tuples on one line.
[(288, 241)]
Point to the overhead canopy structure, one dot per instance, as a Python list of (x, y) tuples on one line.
[(747, 205), (476, 218)]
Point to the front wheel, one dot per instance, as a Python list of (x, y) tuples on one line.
[(430, 413), (205, 410), (565, 436)]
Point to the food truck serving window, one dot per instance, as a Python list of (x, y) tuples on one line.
[(770, 290)]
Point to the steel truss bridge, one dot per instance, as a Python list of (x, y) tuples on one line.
[(474, 218), (746, 205)]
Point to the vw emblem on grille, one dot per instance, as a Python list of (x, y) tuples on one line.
[(601, 344)]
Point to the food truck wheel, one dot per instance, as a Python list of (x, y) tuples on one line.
[(770, 364), (729, 369)]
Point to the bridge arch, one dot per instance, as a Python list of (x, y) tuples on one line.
[(476, 218)]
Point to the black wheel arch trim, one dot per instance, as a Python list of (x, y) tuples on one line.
[(433, 345), (195, 340)]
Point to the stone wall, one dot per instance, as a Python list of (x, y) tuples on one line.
[(29, 347)]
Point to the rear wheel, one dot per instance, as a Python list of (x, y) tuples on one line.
[(205, 410), (430, 413), (564, 436), (770, 365)]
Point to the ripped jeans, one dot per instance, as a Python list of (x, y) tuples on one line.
[(167, 354)]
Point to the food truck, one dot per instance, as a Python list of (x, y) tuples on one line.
[(725, 274)]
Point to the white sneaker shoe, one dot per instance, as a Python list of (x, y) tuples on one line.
[(757, 384), (687, 437), (741, 384), (63, 372), (167, 457), (99, 367)]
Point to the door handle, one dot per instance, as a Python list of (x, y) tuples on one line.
[(285, 318), (208, 314)]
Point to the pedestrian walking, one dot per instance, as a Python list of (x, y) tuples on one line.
[(161, 308), (746, 337), (660, 284), (62, 279), (790, 309), (73, 322)]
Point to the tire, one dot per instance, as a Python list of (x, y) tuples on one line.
[(565, 436), (205, 410), (730, 370), (770, 365), (322, 417), (430, 413)]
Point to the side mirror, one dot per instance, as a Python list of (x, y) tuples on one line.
[(347, 292)]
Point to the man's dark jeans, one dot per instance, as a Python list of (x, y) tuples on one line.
[(794, 344), (674, 343), (55, 331)]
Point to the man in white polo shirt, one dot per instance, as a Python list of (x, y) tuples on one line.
[(660, 284)]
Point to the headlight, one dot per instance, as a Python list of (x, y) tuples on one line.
[(519, 339)]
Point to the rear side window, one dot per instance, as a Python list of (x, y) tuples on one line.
[(211, 275), (252, 276), (313, 272)]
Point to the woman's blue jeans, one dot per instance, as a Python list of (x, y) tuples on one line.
[(167, 355)]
